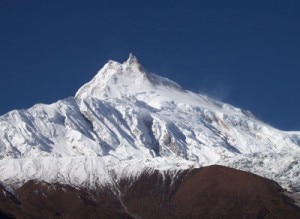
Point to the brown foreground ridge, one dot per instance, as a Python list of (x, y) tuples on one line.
[(208, 192)]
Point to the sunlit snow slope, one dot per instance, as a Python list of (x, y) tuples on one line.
[(126, 120)]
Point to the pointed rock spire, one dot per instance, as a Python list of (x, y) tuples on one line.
[(132, 59)]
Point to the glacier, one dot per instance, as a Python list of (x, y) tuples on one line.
[(126, 121)]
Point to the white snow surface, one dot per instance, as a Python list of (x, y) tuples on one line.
[(126, 121)]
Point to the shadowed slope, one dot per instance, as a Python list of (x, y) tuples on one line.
[(209, 192), (216, 191)]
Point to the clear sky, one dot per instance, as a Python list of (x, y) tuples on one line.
[(246, 53)]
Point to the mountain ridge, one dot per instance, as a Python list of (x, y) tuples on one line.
[(206, 192)]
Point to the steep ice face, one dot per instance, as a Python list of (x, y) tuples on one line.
[(125, 120), (53, 130)]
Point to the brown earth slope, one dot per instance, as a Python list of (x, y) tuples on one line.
[(209, 192)]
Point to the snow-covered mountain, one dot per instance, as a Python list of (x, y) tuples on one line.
[(125, 121)]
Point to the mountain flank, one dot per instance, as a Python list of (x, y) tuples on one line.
[(208, 192)]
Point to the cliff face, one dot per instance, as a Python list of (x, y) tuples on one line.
[(209, 192)]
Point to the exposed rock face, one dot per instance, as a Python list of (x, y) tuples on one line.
[(209, 192)]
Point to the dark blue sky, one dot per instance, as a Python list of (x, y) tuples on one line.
[(246, 53)]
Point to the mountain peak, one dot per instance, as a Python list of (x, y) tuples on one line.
[(116, 80), (132, 59)]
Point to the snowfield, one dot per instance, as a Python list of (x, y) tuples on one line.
[(126, 121)]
